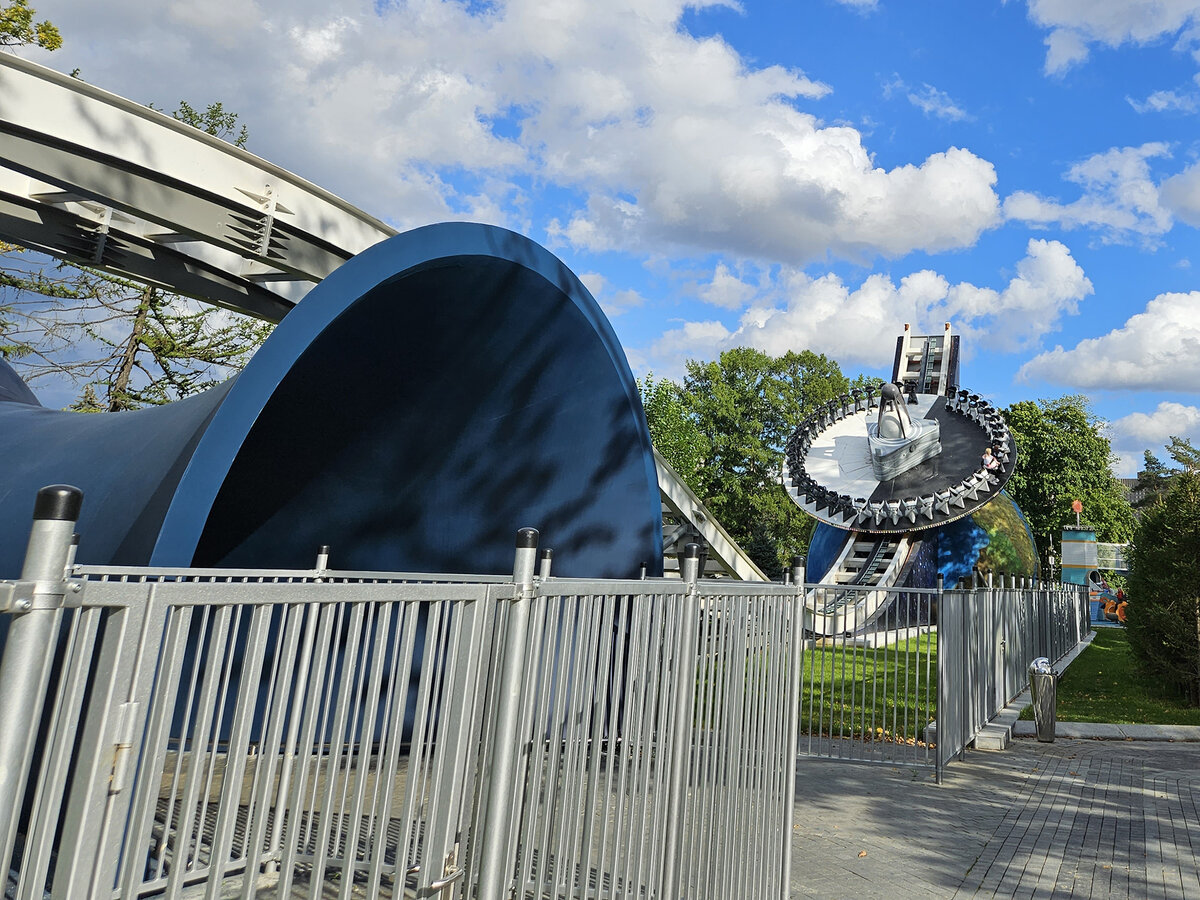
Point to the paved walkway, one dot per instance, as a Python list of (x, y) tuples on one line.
[(1073, 818)]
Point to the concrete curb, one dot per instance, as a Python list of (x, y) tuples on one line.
[(997, 733), (1008, 723)]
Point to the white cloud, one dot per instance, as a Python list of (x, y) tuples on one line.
[(1156, 428), (1119, 199), (1181, 195), (1137, 432), (613, 302), (1165, 101), (851, 324), (655, 135), (1076, 25), (936, 103), (1158, 349), (727, 290)]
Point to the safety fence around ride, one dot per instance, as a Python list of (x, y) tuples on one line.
[(315, 733), (254, 733), (915, 675)]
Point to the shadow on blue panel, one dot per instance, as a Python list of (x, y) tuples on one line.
[(433, 395)]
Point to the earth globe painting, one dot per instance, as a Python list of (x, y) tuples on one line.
[(906, 483)]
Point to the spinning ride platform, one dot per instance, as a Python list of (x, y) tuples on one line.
[(888, 466)]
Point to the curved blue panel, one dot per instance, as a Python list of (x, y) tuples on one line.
[(433, 395)]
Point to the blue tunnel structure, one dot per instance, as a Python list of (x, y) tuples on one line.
[(434, 394)]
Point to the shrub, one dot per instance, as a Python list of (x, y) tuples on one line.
[(1164, 587)]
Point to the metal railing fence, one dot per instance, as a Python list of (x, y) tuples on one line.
[(986, 639), (915, 683), (278, 734), (869, 693)]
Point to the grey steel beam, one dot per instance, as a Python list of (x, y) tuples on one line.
[(60, 232), (683, 502), (170, 183)]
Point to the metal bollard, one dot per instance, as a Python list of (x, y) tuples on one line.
[(798, 571), (29, 649), (689, 564), (495, 852), (1043, 690)]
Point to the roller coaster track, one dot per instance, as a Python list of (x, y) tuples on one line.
[(98, 180)]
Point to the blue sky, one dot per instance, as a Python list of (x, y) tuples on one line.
[(786, 175)]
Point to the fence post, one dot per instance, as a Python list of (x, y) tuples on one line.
[(685, 687), (29, 650), (965, 673), (544, 565), (795, 676), (494, 870), (943, 715)]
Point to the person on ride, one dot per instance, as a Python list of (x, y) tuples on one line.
[(990, 464)]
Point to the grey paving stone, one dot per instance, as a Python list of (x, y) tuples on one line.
[(1073, 818)]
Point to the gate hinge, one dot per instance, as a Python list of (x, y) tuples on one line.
[(126, 726)]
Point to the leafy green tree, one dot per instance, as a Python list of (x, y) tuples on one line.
[(1164, 588), (126, 344), (17, 28), (745, 405), (1186, 456), (215, 120), (673, 428), (1152, 481), (1063, 455)]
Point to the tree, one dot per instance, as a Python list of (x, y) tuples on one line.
[(1152, 481), (1186, 456), (673, 429), (17, 28), (745, 406), (1164, 588), (1063, 456), (126, 344)]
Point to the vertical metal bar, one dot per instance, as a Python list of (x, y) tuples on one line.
[(108, 733), (153, 767), (28, 651), (943, 717), (348, 689), (287, 681), (494, 870), (237, 748), (597, 810), (795, 651), (684, 672), (40, 843)]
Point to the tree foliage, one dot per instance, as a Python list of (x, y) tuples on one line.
[(1063, 455), (1164, 588), (17, 28), (215, 120), (744, 406), (673, 430), (124, 344)]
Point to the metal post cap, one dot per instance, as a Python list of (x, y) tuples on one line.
[(547, 553), (58, 502), (691, 551), (527, 538)]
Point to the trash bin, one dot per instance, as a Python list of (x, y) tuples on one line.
[(1043, 689)]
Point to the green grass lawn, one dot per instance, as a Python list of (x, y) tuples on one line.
[(886, 694), (1103, 684)]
